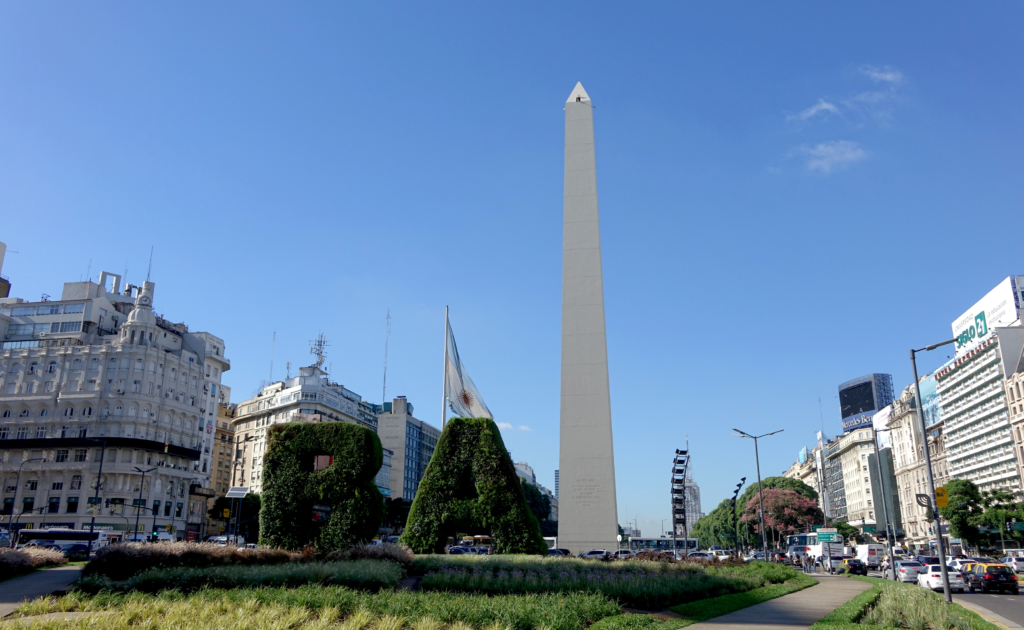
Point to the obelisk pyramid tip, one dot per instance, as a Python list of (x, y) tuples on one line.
[(578, 94)]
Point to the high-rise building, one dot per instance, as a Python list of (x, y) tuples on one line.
[(1014, 386), (862, 398), (412, 441), (99, 374), (309, 397), (586, 457), (556, 483), (972, 396)]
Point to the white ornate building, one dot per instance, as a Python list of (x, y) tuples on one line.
[(100, 367)]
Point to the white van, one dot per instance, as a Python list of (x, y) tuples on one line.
[(871, 555)]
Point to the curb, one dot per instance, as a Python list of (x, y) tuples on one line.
[(990, 616)]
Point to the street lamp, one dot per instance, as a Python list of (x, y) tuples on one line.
[(760, 498), (881, 484), (14, 501), (96, 497), (928, 467), (138, 508)]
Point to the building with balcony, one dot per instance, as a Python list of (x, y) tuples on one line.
[(1014, 386), (97, 375), (309, 397), (907, 445), (412, 441)]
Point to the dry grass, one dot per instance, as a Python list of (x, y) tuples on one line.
[(121, 562), (16, 561)]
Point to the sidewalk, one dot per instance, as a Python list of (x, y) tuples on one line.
[(14, 592), (790, 612)]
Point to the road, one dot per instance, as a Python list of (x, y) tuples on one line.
[(1009, 606)]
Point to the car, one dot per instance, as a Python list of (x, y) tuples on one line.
[(754, 556), (852, 566), (1017, 564), (958, 563), (560, 553), (623, 554), (925, 560), (75, 551), (906, 570), (595, 554), (457, 551), (987, 577), (931, 578), (700, 555), (721, 554), (483, 551)]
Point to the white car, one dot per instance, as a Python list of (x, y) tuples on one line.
[(595, 554), (721, 555), (1017, 564), (931, 578), (623, 554), (701, 555), (907, 570)]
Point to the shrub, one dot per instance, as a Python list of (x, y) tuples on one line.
[(15, 561), (324, 606), (359, 574), (392, 553), (291, 487), (120, 562), (471, 485)]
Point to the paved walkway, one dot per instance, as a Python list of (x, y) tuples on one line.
[(790, 612), (14, 592)]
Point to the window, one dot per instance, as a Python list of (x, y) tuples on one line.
[(62, 455), (32, 367), (29, 387), (19, 329), (83, 431), (87, 411), (80, 455), (3, 433), (72, 505), (40, 433), (18, 311), (10, 388), (70, 327), (23, 414), (76, 482), (57, 485), (22, 433), (136, 386), (138, 365), (74, 308), (32, 484), (53, 505), (149, 388), (76, 364), (109, 387)]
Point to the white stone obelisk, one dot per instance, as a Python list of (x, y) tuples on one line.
[(586, 505)]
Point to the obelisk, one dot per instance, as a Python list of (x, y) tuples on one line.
[(586, 505)]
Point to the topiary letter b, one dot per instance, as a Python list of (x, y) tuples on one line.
[(332, 508)]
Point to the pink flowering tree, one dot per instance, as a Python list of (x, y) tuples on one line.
[(783, 510)]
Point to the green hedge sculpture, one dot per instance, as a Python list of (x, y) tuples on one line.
[(471, 486), (294, 493)]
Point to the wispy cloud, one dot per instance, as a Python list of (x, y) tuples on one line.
[(524, 427), (830, 156), (882, 75), (505, 425), (821, 107)]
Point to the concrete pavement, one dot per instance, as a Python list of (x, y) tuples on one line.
[(791, 612), (14, 592)]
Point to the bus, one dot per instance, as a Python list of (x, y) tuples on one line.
[(662, 544), (799, 545), (40, 537)]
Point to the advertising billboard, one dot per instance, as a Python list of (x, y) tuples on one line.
[(930, 401), (879, 422), (802, 456), (1000, 307), (856, 400)]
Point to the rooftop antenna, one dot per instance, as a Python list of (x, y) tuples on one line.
[(150, 269), (822, 414), (317, 348), (273, 345), (387, 336), (288, 369), (88, 271)]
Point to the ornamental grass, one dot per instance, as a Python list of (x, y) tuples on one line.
[(900, 606), (330, 607), (17, 561), (647, 585)]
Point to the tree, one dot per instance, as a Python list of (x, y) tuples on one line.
[(332, 508), (716, 527), (850, 533), (964, 509), (396, 511), (784, 510), (782, 483), (540, 505), (471, 485)]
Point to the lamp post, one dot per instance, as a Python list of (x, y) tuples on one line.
[(928, 467), (760, 498), (14, 501), (881, 484), (138, 508), (96, 496)]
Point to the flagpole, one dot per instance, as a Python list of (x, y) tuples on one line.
[(444, 386)]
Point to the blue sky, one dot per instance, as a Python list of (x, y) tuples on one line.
[(791, 196)]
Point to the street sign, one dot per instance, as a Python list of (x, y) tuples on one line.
[(1018, 527), (237, 492), (827, 534), (941, 498), (923, 500), (227, 513)]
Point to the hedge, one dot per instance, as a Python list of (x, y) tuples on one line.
[(291, 488), (471, 485)]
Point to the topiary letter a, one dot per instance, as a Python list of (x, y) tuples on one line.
[(332, 508), (471, 486)]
